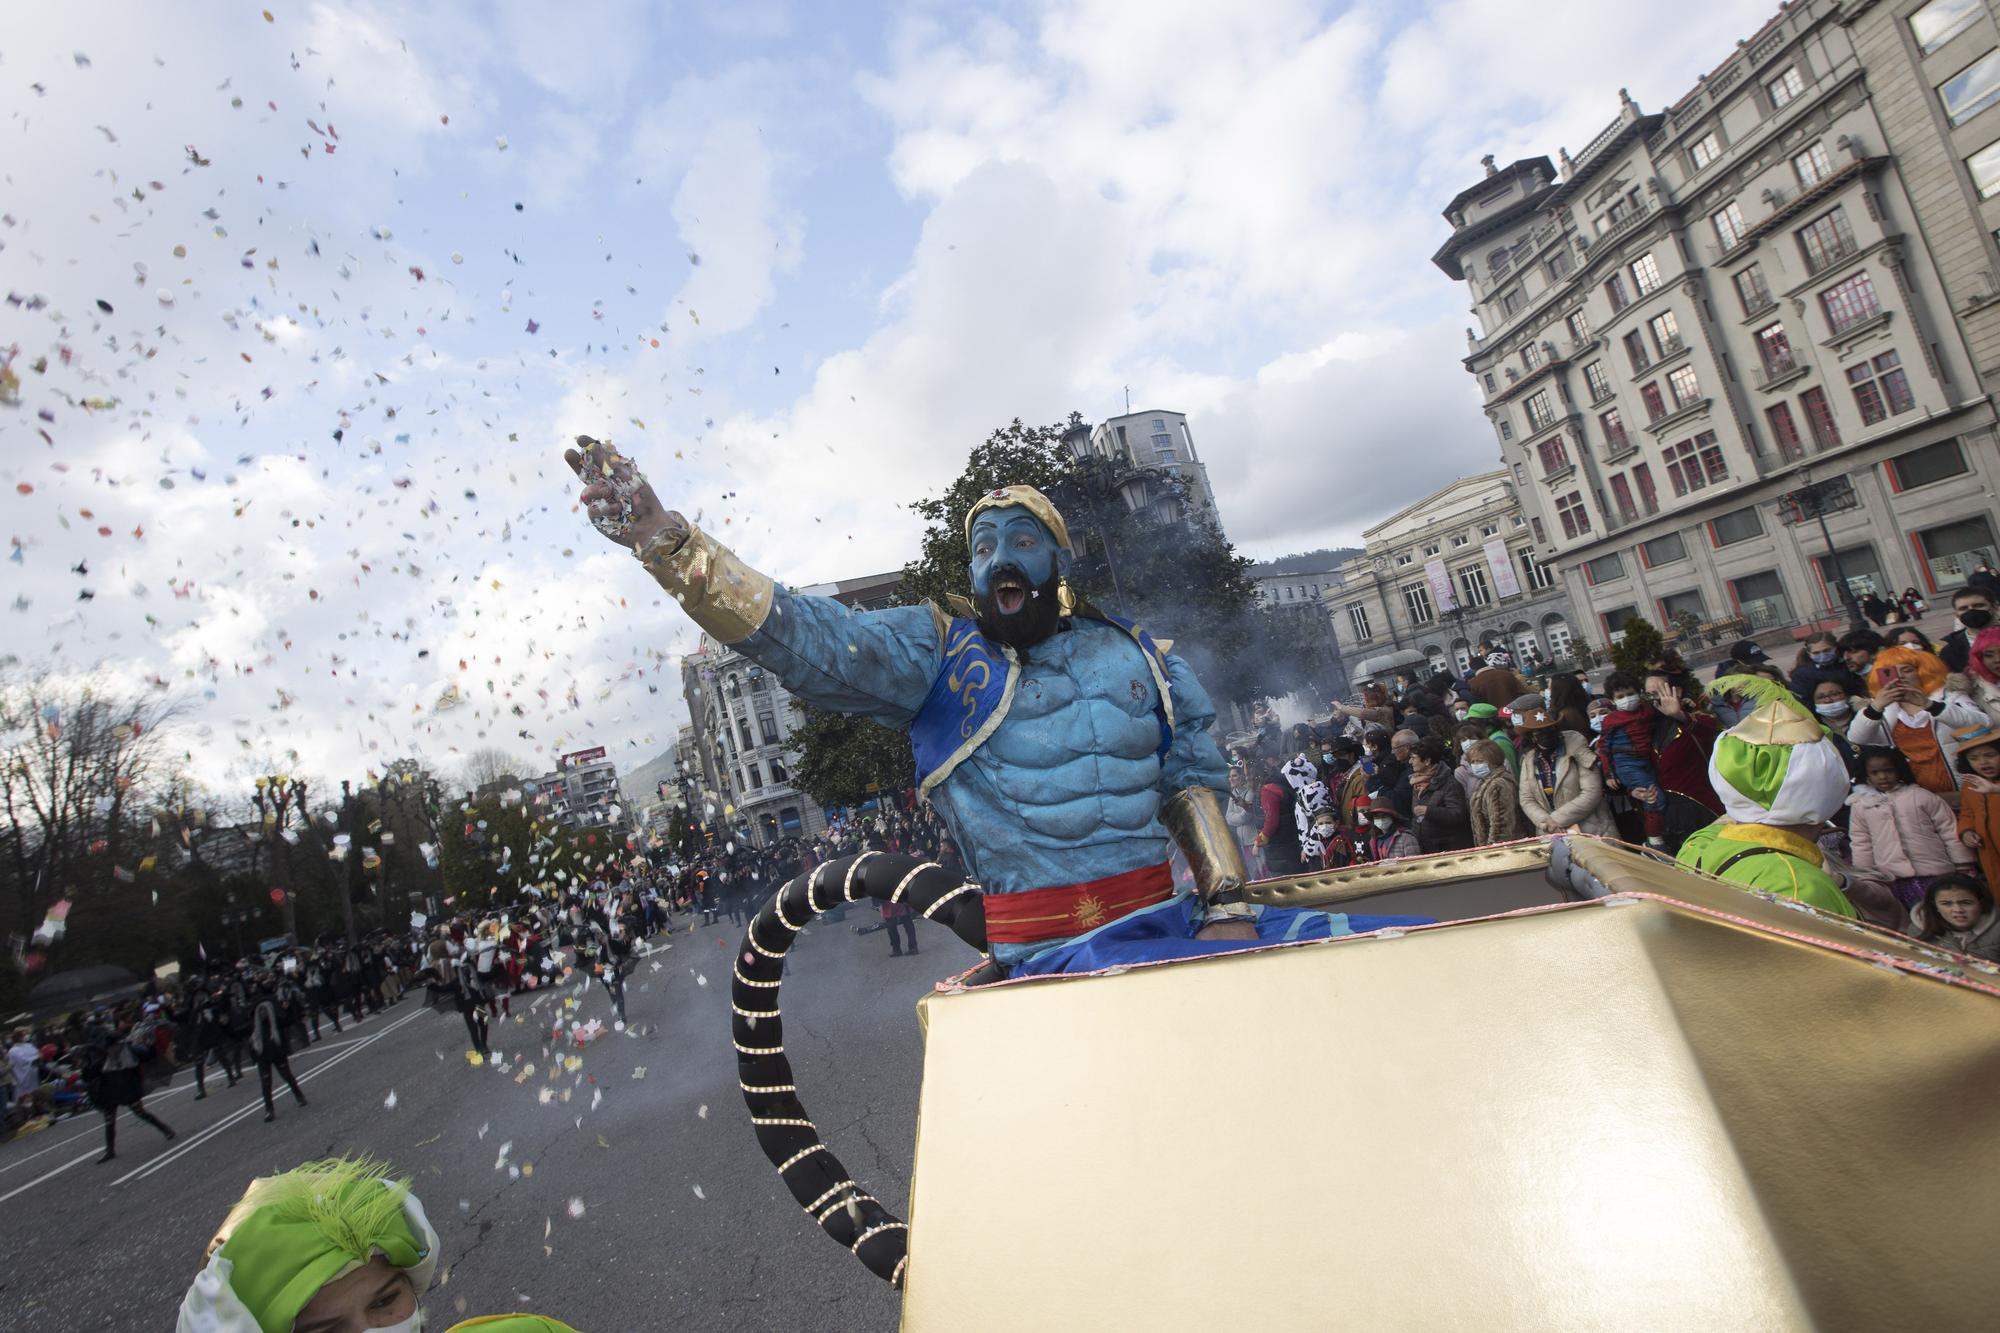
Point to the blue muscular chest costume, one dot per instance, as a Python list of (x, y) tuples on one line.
[(1050, 765)]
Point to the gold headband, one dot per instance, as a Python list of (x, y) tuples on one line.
[(1021, 497)]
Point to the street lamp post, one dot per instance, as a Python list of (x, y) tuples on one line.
[(1815, 499), (352, 859)]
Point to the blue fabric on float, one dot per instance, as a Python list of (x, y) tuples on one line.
[(1167, 931)]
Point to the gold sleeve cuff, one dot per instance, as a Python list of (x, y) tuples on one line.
[(1194, 820), (718, 591)]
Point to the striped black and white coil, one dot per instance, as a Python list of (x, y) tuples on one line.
[(842, 1206)]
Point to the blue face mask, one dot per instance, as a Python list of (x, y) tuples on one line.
[(1368, 767), (1480, 770), (1013, 536), (1825, 658)]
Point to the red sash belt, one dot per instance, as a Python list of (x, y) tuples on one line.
[(1071, 909)]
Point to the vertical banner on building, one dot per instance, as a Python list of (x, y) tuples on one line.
[(1441, 592), (1504, 582)]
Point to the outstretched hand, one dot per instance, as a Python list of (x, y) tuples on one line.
[(617, 496)]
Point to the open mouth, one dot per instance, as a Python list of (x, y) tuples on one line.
[(1010, 595)]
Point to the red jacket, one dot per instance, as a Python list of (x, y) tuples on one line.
[(1681, 750)]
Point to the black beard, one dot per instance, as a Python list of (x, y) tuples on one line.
[(1036, 620)]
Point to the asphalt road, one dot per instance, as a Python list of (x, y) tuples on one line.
[(625, 1193)]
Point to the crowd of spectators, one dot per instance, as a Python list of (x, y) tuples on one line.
[(1433, 761)]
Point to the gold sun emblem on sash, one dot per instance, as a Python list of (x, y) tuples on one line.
[(1088, 911)]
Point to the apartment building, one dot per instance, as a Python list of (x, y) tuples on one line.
[(1722, 323), (1160, 440), (1452, 574)]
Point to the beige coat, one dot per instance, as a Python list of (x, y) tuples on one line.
[(1579, 795)]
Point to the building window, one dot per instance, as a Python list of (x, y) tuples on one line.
[(778, 773), (1613, 424), (1512, 303), (1417, 600), (1488, 377), (1941, 20), (1541, 533), (1614, 288), (1531, 355), (1933, 462), (756, 778), (1489, 529), (1880, 388), (1774, 349), (1785, 431), (1357, 617), (1849, 303), (1819, 418), (1688, 605), (1985, 168), (1736, 526), (1656, 406), (1753, 291), (1686, 385), (1541, 410), (1785, 87), (1761, 600), (1578, 324), (1649, 494), (1666, 331), (1472, 586), (1705, 150), (1973, 89), (1598, 382), (1163, 448), (1621, 495), (1695, 464), (1827, 239), (1645, 274), (1635, 351), (1404, 557), (743, 733), (1538, 575), (1663, 550), (1604, 569), (1458, 539), (1575, 518), (1431, 549), (1812, 166), (1729, 225), (1560, 264), (1506, 429), (767, 727), (1555, 455)]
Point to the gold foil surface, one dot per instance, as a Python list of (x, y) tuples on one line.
[(719, 592), (1680, 1107), (1194, 820)]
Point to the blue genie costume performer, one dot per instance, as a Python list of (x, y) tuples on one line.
[(1061, 745)]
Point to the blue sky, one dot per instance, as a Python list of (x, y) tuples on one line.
[(324, 440)]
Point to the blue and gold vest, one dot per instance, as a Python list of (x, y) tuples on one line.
[(974, 688)]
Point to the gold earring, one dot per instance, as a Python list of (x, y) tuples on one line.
[(1065, 598)]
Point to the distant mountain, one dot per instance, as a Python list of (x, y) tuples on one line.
[(1306, 562)]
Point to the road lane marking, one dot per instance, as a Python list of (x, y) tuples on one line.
[(46, 1175)]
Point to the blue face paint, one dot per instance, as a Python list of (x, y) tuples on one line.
[(1013, 536)]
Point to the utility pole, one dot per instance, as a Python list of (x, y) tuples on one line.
[(352, 860), (1815, 499)]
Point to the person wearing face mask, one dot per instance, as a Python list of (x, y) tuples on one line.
[(1389, 840), (1487, 716), (1496, 803), (1973, 610), (1625, 744), (329, 1247), (1442, 814), (1562, 787), (1982, 671), (1836, 710), (1819, 659)]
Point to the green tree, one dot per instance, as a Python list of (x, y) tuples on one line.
[(1142, 550), (1640, 647)]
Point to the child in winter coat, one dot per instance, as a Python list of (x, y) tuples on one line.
[(1391, 837), (1979, 809), (1626, 747), (1902, 831)]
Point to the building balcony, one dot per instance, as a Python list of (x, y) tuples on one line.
[(1778, 371), (1618, 445), (1560, 473), (1631, 222), (1687, 412)]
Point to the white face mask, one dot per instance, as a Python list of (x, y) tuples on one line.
[(1383, 823), (1463, 746), (1481, 770), (1597, 723), (1626, 703), (1325, 832), (1830, 710)]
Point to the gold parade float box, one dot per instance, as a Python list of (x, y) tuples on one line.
[(1653, 1102)]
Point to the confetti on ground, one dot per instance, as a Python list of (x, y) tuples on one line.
[(389, 1102), (576, 1208), (698, 1194)]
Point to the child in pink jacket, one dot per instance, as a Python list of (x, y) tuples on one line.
[(1901, 831)]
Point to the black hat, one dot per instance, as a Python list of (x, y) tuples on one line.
[(1745, 650)]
